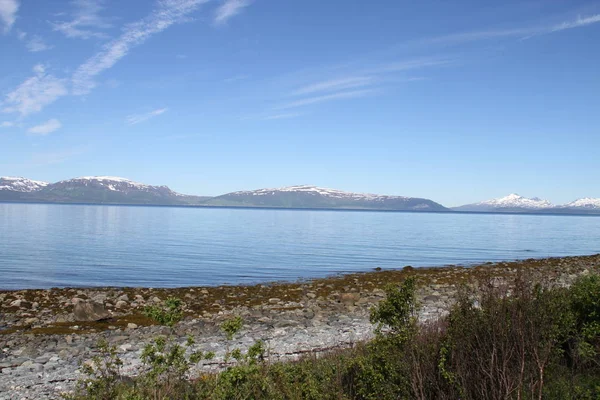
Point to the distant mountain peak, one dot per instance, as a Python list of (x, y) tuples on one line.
[(586, 202), (311, 196), (317, 190), (515, 200), (20, 184)]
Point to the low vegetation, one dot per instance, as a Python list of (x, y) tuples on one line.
[(523, 340)]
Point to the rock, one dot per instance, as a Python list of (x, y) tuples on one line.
[(90, 311), (121, 304), (63, 318), (274, 300), (349, 298), (131, 325), (42, 359), (20, 303), (124, 348)]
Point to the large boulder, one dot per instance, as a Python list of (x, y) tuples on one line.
[(90, 311)]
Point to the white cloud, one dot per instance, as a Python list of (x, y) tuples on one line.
[(45, 128), (524, 32), (168, 12), (8, 13), (137, 118), (335, 85), (229, 9), (281, 116), (578, 23), (329, 97), (7, 124), (408, 65), (86, 21), (36, 43), (35, 93)]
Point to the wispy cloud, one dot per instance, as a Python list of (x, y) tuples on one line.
[(329, 97), (35, 93), (577, 23), (281, 116), (236, 78), (229, 9), (167, 13), (137, 118), (8, 13), (86, 21), (522, 32), (335, 85), (408, 65), (36, 43), (7, 124), (46, 128), (354, 81)]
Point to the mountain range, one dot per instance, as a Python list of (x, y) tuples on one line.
[(516, 203), (114, 190)]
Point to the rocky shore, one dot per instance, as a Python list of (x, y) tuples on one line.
[(45, 335)]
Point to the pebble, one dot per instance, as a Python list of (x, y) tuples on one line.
[(43, 366)]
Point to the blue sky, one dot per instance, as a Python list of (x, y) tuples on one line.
[(454, 101)]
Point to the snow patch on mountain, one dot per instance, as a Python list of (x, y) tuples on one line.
[(113, 183), (587, 202), (18, 184), (516, 201), (334, 193)]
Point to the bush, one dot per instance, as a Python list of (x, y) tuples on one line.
[(525, 340)]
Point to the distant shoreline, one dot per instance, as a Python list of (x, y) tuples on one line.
[(449, 211)]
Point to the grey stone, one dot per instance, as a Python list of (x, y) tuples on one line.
[(42, 359), (90, 311), (121, 304)]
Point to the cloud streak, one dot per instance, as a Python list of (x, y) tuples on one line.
[(168, 12), (229, 9), (35, 93), (8, 13), (523, 32), (46, 128), (335, 85), (86, 22), (352, 94), (281, 116), (36, 44), (578, 23), (138, 118)]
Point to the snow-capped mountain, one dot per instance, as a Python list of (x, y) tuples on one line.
[(586, 203), (111, 183), (512, 202), (109, 189), (92, 189), (17, 184), (307, 196)]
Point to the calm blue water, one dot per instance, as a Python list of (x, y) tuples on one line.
[(45, 246)]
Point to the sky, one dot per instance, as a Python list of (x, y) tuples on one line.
[(454, 101)]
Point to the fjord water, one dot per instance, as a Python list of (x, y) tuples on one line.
[(44, 246)]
